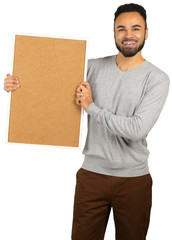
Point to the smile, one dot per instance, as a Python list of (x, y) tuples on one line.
[(129, 43)]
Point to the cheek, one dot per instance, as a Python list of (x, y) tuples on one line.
[(119, 37), (141, 38), (140, 35)]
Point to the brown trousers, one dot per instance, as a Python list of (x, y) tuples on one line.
[(95, 194)]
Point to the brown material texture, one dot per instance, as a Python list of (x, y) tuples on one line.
[(95, 195), (43, 109)]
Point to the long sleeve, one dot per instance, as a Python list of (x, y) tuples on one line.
[(145, 115)]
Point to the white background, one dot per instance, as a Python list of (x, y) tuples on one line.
[(37, 183)]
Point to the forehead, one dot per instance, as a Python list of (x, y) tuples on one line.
[(129, 19)]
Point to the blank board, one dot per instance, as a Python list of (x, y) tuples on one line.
[(43, 109)]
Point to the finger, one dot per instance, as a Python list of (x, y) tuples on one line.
[(9, 89), (11, 85), (11, 81), (81, 88), (85, 84), (80, 94), (9, 75), (78, 102), (12, 76)]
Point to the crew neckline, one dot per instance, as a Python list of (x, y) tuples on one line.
[(130, 70)]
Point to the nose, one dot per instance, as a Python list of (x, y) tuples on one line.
[(128, 33)]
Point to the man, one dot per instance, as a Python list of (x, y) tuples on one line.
[(123, 96)]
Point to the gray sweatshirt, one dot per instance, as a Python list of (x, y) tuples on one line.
[(125, 108)]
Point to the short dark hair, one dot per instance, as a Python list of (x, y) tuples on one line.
[(131, 7)]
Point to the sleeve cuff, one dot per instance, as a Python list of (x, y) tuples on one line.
[(93, 110)]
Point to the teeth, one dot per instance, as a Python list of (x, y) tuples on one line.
[(127, 43)]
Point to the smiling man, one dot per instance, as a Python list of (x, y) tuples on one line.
[(123, 96), (130, 38)]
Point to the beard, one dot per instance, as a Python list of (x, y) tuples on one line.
[(130, 52)]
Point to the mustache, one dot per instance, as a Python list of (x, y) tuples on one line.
[(129, 39)]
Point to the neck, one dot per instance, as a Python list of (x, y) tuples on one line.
[(128, 63)]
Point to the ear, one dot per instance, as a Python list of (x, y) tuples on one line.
[(146, 34)]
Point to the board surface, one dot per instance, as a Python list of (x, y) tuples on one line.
[(43, 109)]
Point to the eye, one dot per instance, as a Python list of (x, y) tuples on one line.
[(120, 30), (136, 29)]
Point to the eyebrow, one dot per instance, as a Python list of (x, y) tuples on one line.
[(122, 26)]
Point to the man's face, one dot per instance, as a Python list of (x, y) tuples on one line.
[(130, 33)]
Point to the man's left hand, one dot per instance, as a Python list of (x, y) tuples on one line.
[(84, 95)]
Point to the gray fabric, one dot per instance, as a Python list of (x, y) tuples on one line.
[(126, 107)]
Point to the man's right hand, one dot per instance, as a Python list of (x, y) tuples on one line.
[(11, 83)]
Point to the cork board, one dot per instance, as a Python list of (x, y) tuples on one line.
[(43, 109)]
